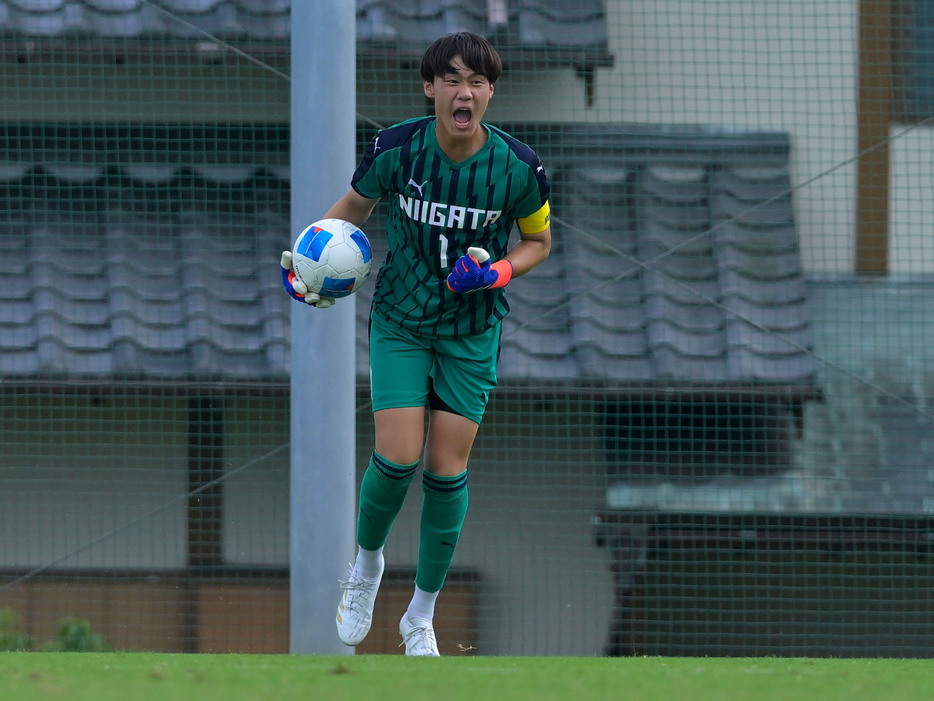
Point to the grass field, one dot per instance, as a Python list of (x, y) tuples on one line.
[(36, 676)]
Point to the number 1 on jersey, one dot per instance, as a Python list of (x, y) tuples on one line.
[(443, 252)]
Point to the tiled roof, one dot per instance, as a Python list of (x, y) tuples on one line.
[(262, 19), (160, 260), (677, 255), (553, 25), (143, 262)]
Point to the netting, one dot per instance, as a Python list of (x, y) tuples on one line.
[(712, 432)]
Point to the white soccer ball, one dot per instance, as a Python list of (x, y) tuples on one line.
[(332, 258)]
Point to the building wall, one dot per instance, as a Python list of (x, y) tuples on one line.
[(911, 201), (536, 477), (92, 481), (789, 66)]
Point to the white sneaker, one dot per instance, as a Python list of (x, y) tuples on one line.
[(418, 637), (355, 611)]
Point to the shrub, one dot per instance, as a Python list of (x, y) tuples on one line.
[(10, 638), (76, 635)]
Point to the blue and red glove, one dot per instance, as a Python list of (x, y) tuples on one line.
[(474, 272), (296, 288)]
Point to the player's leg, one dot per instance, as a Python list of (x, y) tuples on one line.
[(463, 376), (399, 370), (400, 364), (398, 446), (382, 492), (444, 507)]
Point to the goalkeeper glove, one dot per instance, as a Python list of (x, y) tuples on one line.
[(475, 272), (296, 288)]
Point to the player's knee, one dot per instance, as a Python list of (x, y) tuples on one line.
[(446, 469)]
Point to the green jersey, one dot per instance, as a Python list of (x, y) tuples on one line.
[(437, 208)]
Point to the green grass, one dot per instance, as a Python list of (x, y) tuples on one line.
[(38, 676)]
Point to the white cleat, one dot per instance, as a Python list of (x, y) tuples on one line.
[(355, 611), (418, 636)]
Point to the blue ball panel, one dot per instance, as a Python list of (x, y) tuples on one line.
[(363, 244), (337, 288), (313, 243)]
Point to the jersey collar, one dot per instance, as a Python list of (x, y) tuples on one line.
[(433, 142)]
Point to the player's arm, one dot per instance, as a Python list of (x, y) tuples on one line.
[(534, 242), (352, 207), (475, 271)]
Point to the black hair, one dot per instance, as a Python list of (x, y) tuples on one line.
[(474, 50)]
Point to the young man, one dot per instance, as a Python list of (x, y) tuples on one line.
[(453, 183)]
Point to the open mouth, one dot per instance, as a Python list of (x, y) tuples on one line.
[(462, 117)]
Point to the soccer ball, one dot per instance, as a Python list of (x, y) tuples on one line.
[(332, 258)]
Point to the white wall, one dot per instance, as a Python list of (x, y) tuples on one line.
[(256, 488), (787, 66), (78, 474), (911, 201), (103, 482)]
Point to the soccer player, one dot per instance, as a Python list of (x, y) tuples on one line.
[(454, 185)]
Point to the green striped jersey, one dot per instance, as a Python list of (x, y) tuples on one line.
[(437, 208)]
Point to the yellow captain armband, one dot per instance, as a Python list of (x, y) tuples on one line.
[(536, 223)]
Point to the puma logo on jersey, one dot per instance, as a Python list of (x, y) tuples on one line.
[(418, 187), (446, 215)]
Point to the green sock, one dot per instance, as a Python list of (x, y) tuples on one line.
[(443, 512), (382, 492)]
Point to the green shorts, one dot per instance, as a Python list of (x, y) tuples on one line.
[(405, 369)]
